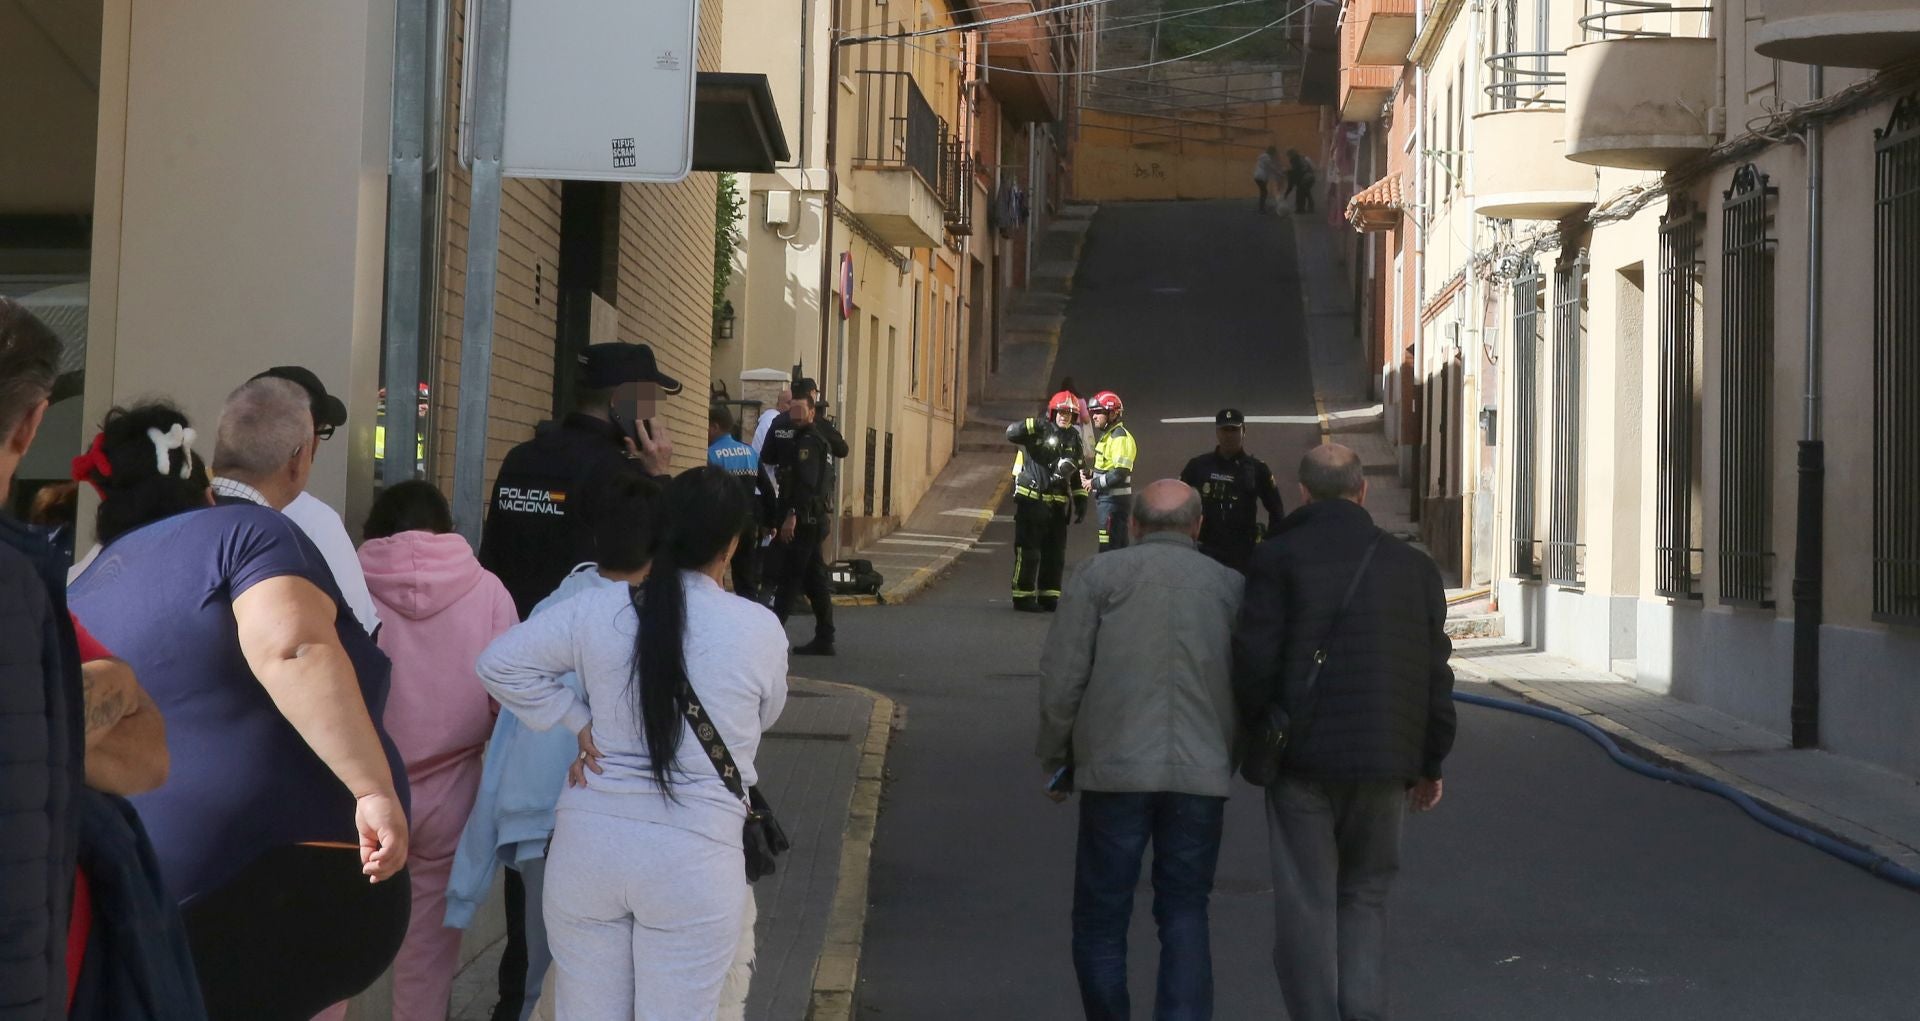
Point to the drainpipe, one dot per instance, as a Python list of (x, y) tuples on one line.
[(832, 196), (1810, 531)]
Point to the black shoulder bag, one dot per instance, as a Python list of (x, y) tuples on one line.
[(1271, 734), (761, 838)]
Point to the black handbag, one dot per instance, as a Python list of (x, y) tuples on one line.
[(761, 838), (1271, 735)]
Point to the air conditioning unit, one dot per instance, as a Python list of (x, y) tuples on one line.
[(779, 208)]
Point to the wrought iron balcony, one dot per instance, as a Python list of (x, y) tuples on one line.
[(1519, 172), (900, 152)]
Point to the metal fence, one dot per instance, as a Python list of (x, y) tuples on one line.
[(1636, 19), (1896, 366), (886, 481), (1746, 389), (897, 127), (1523, 79), (1566, 555), (1526, 419), (1677, 541)]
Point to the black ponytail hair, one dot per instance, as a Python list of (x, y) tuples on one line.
[(701, 511), (137, 492)]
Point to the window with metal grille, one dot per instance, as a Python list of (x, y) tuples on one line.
[(1566, 555), (1526, 418), (1677, 538), (1746, 389), (1896, 367)]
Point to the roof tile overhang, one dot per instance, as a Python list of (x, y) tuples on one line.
[(735, 125), (1377, 206)]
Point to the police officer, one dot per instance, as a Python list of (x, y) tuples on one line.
[(1233, 485), (798, 445), (1046, 479), (539, 521), (738, 459), (1111, 479)]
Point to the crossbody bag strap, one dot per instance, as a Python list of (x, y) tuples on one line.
[(715, 746), (1320, 653)]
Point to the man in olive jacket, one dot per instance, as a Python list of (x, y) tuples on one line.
[(1136, 704), (1365, 745)]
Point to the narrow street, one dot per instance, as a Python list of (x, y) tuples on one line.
[(1549, 884)]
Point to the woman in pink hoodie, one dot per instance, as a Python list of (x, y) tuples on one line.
[(439, 609)]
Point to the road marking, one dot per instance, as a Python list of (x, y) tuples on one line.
[(946, 544), (976, 513), (1320, 417)]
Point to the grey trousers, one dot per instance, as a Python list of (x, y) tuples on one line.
[(1335, 849)]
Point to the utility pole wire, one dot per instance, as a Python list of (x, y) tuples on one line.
[(902, 40)]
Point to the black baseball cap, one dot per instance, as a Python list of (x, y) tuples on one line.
[(605, 366), (328, 411), (1230, 417), (805, 387)]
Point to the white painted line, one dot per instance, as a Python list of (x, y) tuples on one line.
[(890, 541), (930, 535), (1332, 416), (976, 513)]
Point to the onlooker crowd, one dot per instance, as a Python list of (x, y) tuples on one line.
[(1324, 669)]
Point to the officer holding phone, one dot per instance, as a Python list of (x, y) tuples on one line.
[(540, 521)]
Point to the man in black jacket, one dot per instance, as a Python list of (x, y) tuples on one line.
[(540, 518), (1366, 743), (798, 446)]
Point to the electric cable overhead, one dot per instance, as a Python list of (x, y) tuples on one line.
[(902, 40)]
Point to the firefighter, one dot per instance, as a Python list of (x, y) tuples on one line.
[(1233, 486), (1111, 479), (1046, 488)]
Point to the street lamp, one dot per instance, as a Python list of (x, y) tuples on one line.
[(723, 322)]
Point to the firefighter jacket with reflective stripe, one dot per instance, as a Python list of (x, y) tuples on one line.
[(1114, 453), (1049, 462)]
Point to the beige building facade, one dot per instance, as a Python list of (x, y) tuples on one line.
[(213, 199), (936, 120), (1668, 247)]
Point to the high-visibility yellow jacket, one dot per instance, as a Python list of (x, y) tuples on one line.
[(1114, 453)]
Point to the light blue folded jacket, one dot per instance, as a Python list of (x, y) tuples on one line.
[(524, 773)]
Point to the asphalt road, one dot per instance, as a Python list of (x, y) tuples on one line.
[(1550, 884)]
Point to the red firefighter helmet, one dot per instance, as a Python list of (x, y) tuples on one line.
[(1107, 401), (1064, 399)]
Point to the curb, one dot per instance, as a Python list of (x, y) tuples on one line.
[(836, 976), (1662, 754)]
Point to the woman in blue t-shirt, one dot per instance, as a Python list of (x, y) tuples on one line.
[(281, 830)]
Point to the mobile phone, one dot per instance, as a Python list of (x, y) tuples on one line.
[(1062, 781), (631, 407)]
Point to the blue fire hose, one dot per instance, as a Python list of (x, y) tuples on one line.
[(1876, 865)]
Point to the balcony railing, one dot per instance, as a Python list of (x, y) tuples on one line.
[(1523, 79), (898, 128), (956, 186), (1641, 19)]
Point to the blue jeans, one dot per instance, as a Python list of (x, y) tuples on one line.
[(1114, 830)]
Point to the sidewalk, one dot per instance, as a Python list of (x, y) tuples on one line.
[(956, 509), (1856, 803), (820, 768)]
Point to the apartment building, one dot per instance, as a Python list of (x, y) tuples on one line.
[(929, 130), (1676, 266), (212, 190)]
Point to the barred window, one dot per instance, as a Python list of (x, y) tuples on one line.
[(1526, 418), (1896, 367), (1677, 531), (1566, 554), (1746, 389)]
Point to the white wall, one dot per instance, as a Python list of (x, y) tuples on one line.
[(240, 210)]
